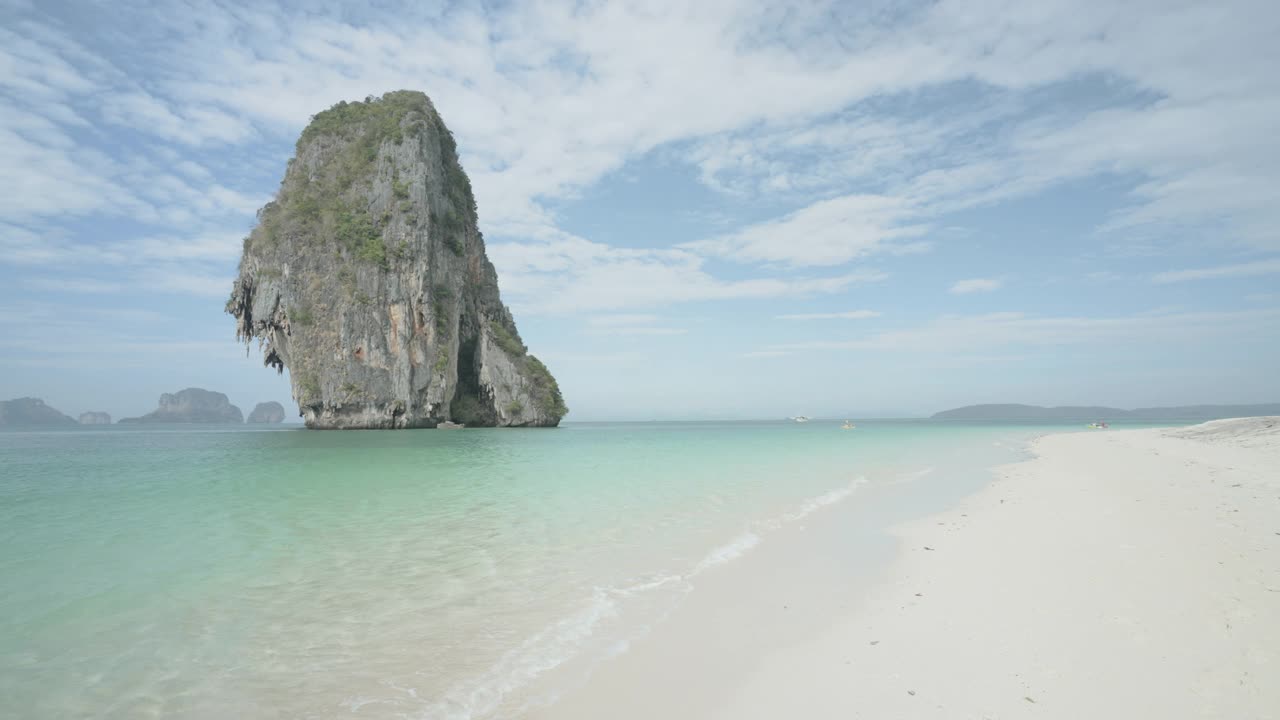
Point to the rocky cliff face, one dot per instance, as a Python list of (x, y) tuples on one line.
[(95, 418), (192, 405), (27, 411), (267, 412), (367, 279)]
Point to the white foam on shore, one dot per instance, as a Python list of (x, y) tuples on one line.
[(567, 638), (649, 585), (543, 651), (732, 550), (913, 475), (812, 505)]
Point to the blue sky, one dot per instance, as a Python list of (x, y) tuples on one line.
[(697, 210)]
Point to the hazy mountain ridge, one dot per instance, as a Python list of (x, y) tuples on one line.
[(1069, 412), (192, 405), (267, 412), (29, 411)]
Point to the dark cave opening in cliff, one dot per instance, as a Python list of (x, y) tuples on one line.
[(471, 405)]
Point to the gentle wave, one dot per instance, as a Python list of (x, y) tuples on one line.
[(541, 652), (913, 475), (565, 639), (727, 552), (816, 503)]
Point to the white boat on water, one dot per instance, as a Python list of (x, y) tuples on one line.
[(800, 418)]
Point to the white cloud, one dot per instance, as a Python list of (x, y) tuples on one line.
[(45, 174), (191, 126), (997, 331), (214, 246), (75, 335), (202, 348), (59, 162), (192, 170), (574, 76), (638, 324), (829, 232), (622, 320), (1249, 269), (975, 285), (563, 273), (642, 331), (74, 285), (1199, 145), (186, 265), (847, 315), (878, 122), (34, 64), (177, 280), (861, 149)]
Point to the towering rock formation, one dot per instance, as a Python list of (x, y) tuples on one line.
[(192, 405), (29, 411), (267, 412), (367, 279)]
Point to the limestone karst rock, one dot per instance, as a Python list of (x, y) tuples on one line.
[(193, 405), (95, 418), (366, 278), (267, 412), (29, 411)]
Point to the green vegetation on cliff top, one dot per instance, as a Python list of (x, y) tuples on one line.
[(334, 203)]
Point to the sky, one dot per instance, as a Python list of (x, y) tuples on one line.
[(722, 209)]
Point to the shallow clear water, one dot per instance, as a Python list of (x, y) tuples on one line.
[(203, 572)]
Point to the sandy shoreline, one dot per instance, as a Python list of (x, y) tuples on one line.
[(1118, 574)]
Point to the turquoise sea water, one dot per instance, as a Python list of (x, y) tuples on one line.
[(211, 573)]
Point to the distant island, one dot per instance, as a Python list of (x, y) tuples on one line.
[(1088, 412), (29, 411), (193, 405), (95, 418), (267, 412)]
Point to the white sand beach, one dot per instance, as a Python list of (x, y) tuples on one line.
[(1118, 574)]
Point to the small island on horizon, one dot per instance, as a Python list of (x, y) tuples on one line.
[(200, 406), (1194, 413), (189, 406)]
